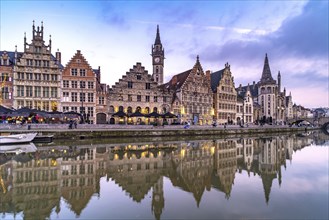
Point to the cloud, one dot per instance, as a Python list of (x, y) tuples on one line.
[(299, 48), (114, 15)]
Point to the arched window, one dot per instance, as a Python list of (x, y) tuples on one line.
[(121, 108), (111, 109), (129, 110), (155, 109), (147, 110), (164, 110), (138, 109), (157, 69)]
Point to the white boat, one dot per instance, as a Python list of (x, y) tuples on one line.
[(17, 148), (17, 138)]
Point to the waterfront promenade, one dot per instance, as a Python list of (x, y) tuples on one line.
[(84, 131)]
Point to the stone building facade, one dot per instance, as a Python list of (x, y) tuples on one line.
[(79, 88), (225, 96), (6, 78), (192, 96), (245, 106), (101, 99), (136, 92), (37, 75)]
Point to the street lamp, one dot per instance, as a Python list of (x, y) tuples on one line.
[(82, 98)]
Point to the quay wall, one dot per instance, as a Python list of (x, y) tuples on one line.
[(129, 131)]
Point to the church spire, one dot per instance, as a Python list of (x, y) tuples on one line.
[(266, 75), (157, 38)]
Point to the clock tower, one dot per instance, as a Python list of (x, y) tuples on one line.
[(157, 59)]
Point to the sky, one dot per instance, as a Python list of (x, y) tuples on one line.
[(116, 34)]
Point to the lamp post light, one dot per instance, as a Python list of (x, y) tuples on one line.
[(82, 98)]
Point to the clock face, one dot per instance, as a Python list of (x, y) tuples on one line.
[(157, 59)]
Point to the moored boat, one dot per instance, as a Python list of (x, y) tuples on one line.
[(17, 148), (17, 138)]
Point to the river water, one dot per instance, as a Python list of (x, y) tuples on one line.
[(272, 177)]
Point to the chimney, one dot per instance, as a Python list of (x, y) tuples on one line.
[(174, 80), (208, 75), (58, 57)]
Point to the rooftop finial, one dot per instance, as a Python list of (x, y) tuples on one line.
[(197, 58)]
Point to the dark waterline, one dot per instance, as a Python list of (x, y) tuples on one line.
[(281, 177)]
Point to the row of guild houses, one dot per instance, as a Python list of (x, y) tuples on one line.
[(37, 79)]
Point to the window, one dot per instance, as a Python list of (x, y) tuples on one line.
[(46, 92), (53, 92), (66, 96), (75, 109), (90, 97), (130, 85), (74, 72), (90, 85), (20, 76), (5, 92), (37, 91), (155, 98), (74, 96), (45, 77), (82, 84), (139, 98), (53, 77), (101, 100), (66, 84), (164, 99), (37, 76), (29, 76), (91, 111), (139, 76), (20, 90), (82, 72), (130, 98), (29, 62), (29, 104), (82, 97), (74, 84), (65, 108), (46, 63), (147, 98), (148, 86)]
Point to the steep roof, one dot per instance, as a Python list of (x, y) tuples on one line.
[(266, 75), (157, 38), (252, 87), (215, 78), (177, 80), (11, 56)]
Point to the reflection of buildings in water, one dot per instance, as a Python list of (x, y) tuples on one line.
[(35, 187), (192, 167), (245, 151), (34, 183), (225, 165), (80, 177)]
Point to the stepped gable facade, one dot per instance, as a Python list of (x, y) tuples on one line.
[(225, 96), (136, 92), (192, 96), (37, 74), (79, 88)]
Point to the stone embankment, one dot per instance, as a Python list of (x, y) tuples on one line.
[(86, 131)]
